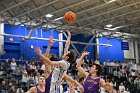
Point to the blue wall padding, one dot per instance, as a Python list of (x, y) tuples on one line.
[(24, 46), (114, 52)]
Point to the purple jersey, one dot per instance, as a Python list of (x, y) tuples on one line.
[(38, 91), (48, 84), (91, 85)]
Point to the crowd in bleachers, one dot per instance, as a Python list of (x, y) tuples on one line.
[(18, 78), (124, 76)]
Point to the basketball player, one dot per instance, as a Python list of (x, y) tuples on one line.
[(61, 67), (44, 87), (92, 80)]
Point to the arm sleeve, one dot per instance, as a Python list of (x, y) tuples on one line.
[(64, 65)]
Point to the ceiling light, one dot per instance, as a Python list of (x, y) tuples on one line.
[(109, 1), (49, 15), (109, 25), (58, 18), (110, 28), (112, 1), (115, 28)]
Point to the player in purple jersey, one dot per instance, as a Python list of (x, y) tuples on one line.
[(92, 80), (44, 87), (41, 88)]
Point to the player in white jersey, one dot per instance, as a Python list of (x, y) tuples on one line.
[(61, 67)]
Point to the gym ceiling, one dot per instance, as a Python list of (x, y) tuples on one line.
[(110, 18)]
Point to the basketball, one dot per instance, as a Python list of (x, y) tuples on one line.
[(70, 17)]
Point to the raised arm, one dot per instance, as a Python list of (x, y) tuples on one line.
[(51, 41), (67, 42), (47, 53), (106, 86), (72, 81), (47, 60), (79, 63)]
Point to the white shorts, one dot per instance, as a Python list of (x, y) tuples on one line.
[(56, 89)]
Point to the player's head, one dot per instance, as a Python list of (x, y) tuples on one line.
[(96, 68), (41, 80), (69, 56)]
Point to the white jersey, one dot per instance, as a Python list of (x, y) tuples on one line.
[(57, 76)]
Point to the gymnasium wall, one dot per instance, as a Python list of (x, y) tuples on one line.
[(114, 52), (80, 47), (20, 46)]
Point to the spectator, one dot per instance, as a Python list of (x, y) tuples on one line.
[(42, 67), (33, 66), (40, 63), (53, 58), (136, 81), (23, 70), (121, 87), (37, 69), (25, 77), (21, 57), (9, 85), (1, 79), (26, 64), (71, 89), (19, 90), (114, 82), (13, 65), (24, 80), (31, 82), (126, 91), (6, 66), (133, 72), (12, 89), (28, 68), (17, 70), (119, 74), (3, 86), (36, 78), (115, 73), (114, 90)]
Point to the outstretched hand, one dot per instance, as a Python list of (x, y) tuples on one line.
[(68, 32), (81, 88), (37, 50), (72, 88), (85, 53), (108, 84), (51, 40)]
